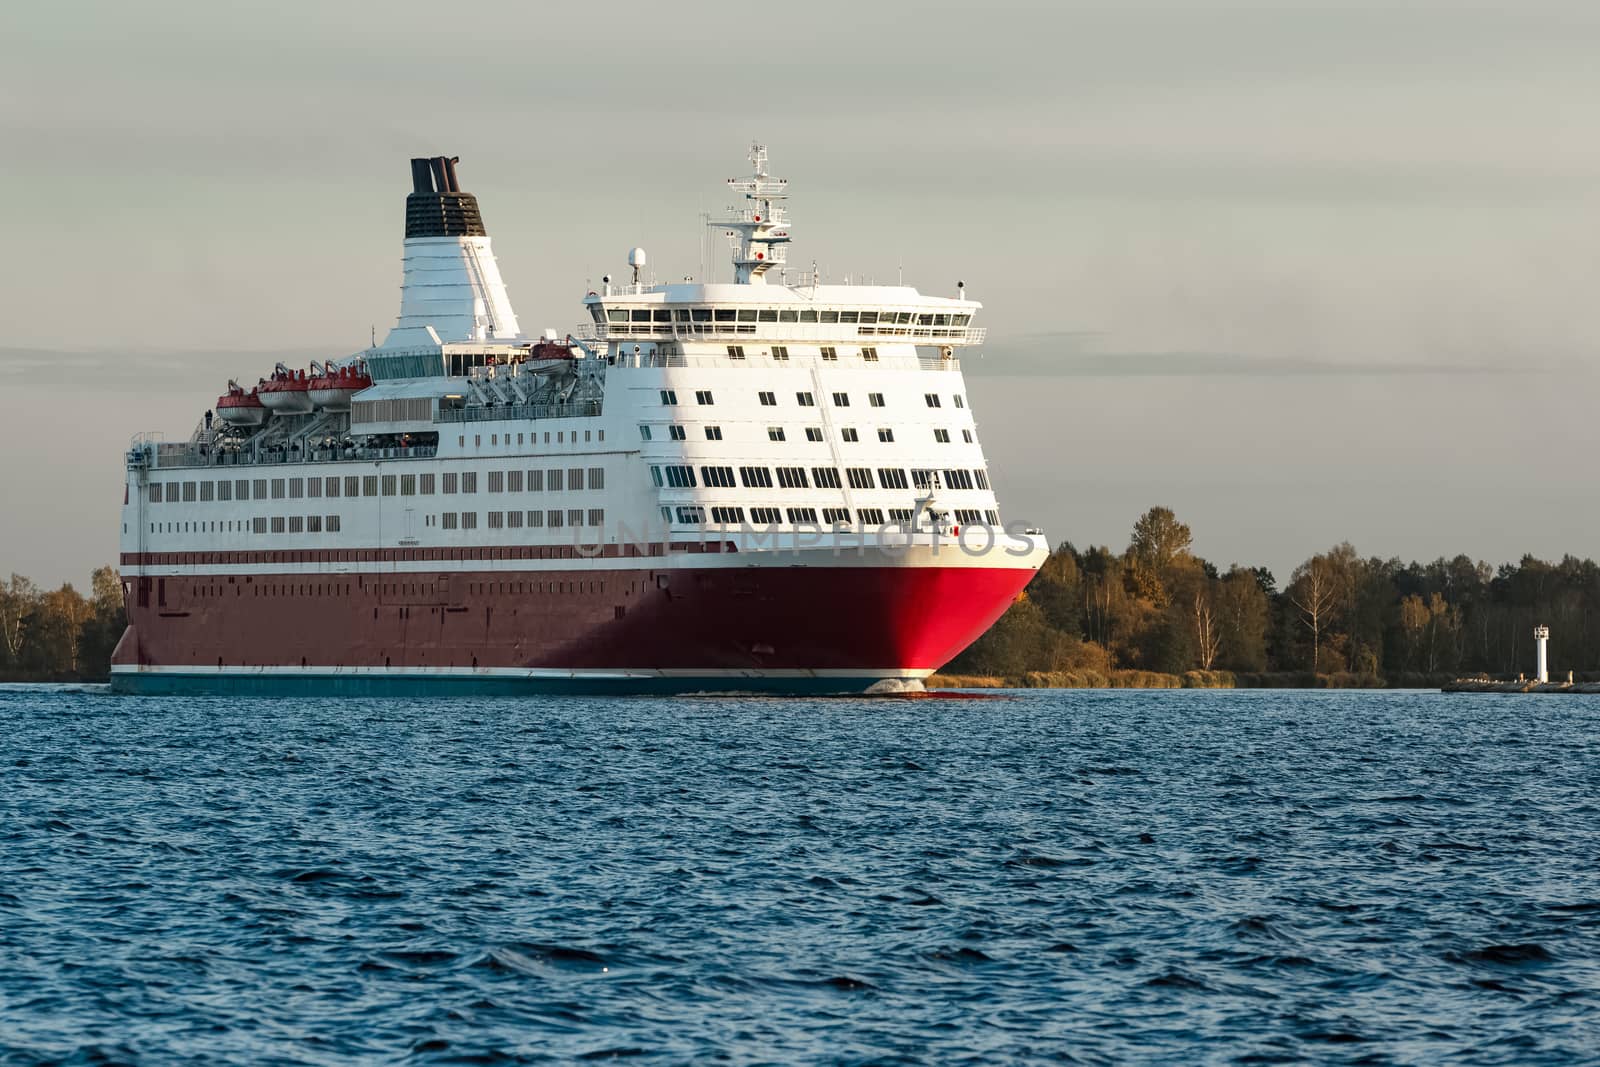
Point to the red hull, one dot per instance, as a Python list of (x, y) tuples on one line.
[(883, 620)]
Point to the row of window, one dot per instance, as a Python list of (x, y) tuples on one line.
[(555, 518), (694, 514), (533, 438), (555, 480), (829, 353), (260, 524), (449, 520), (849, 434), (806, 399), (813, 315), (682, 476)]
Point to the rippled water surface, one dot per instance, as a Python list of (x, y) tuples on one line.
[(1063, 876)]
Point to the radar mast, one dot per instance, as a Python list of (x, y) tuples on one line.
[(759, 231)]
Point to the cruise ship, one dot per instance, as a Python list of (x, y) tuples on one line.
[(771, 484)]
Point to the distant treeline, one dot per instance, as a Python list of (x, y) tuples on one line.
[(59, 635), (1157, 607)]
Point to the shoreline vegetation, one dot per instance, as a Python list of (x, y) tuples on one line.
[(1156, 616), (59, 635), (1152, 616)]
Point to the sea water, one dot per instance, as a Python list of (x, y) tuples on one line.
[(1090, 877)]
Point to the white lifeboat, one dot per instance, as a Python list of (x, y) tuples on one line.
[(333, 389), (286, 392), (239, 408)]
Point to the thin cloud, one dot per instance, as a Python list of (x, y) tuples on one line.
[(1083, 355)]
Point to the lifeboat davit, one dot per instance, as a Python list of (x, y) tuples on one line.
[(239, 408), (286, 392), (333, 390)]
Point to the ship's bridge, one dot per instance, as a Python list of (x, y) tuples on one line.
[(837, 313)]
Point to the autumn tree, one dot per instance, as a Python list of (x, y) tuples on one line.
[(62, 615), (1159, 540), (1057, 590), (1207, 626), (1243, 616), (1313, 591), (19, 598)]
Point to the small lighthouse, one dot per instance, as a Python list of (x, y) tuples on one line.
[(1541, 638)]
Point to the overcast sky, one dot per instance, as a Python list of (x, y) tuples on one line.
[(1303, 271)]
